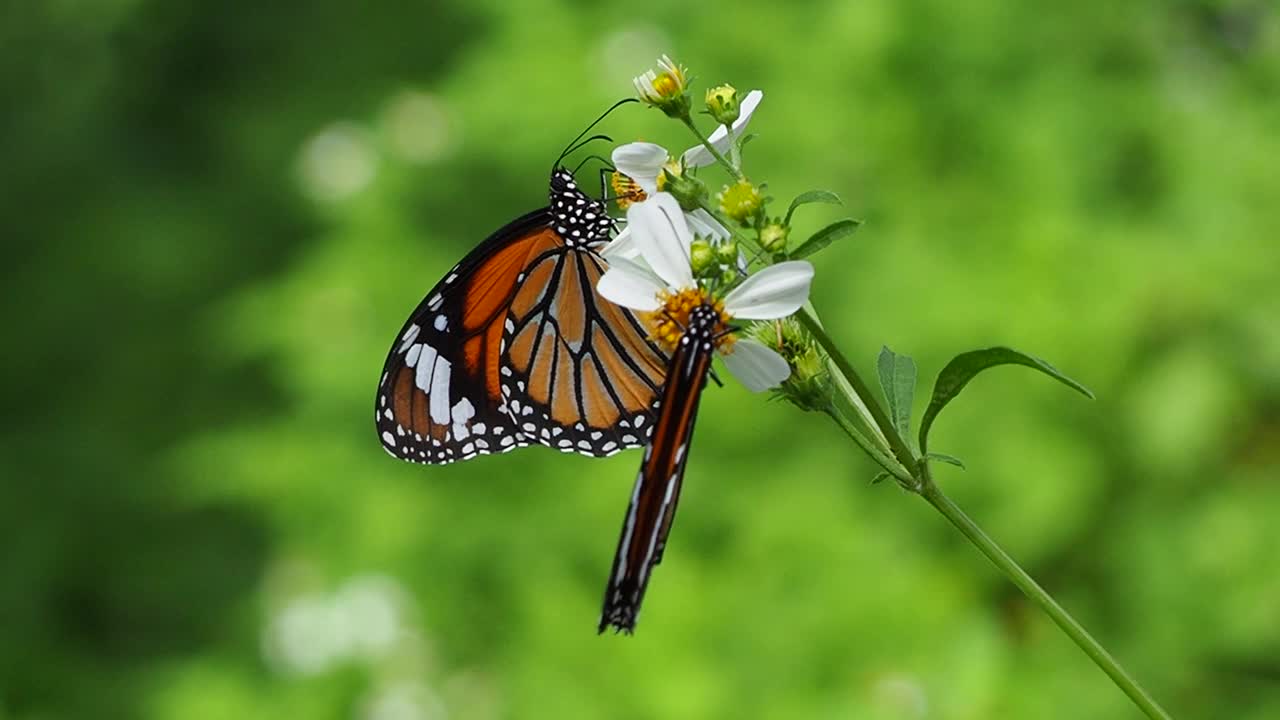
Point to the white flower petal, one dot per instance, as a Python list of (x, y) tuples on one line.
[(630, 284), (623, 245), (704, 225), (697, 156), (662, 235), (748, 107), (756, 366), (774, 292), (642, 162)]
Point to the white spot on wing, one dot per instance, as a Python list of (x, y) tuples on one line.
[(409, 336), (440, 391), (426, 363)]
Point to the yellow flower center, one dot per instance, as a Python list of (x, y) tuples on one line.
[(669, 321), (625, 190), (666, 85)]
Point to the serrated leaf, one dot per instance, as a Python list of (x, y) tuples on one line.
[(824, 237), (948, 459), (812, 196), (965, 366), (898, 381)]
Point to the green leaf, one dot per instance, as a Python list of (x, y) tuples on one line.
[(948, 459), (898, 380), (744, 140), (965, 366), (880, 477), (812, 196), (824, 237)]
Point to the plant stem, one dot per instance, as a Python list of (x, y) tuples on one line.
[(921, 483), (889, 464), (735, 172), (896, 443), (1043, 599)]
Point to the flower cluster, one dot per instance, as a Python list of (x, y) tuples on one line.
[(678, 250)]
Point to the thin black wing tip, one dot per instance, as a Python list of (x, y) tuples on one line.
[(620, 625)]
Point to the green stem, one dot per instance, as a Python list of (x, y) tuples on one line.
[(896, 443), (889, 464), (921, 482), (735, 172), (1044, 600)]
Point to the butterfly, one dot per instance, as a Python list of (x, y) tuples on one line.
[(515, 347), (657, 489)]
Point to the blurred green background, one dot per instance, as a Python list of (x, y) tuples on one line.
[(217, 215)]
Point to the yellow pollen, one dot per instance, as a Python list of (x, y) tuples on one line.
[(666, 85), (625, 190), (668, 322)]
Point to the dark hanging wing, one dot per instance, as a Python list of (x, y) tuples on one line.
[(657, 489)]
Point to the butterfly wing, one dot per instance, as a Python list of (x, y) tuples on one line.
[(439, 398), (583, 372), (657, 489), (515, 346)]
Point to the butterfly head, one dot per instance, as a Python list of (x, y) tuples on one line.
[(577, 217)]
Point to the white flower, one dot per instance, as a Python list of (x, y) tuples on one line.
[(721, 139), (664, 86), (644, 162), (661, 236)]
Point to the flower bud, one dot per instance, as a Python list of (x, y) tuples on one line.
[(727, 253), (701, 256), (665, 88), (741, 201), (722, 104), (773, 237), (686, 189), (809, 385)]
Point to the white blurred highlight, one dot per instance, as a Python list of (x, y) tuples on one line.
[(363, 620), (337, 162), (418, 127), (402, 701), (626, 53), (901, 696)]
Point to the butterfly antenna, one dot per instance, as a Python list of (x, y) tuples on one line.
[(573, 144), (589, 158)]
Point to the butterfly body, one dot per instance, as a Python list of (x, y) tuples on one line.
[(657, 489), (514, 347)]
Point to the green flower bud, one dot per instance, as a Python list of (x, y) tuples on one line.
[(686, 189), (741, 201), (701, 256), (809, 386), (722, 104), (773, 237), (727, 253)]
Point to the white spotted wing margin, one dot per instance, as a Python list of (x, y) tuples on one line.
[(429, 408), (657, 489)]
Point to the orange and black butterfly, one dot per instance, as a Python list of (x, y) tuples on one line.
[(515, 347)]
